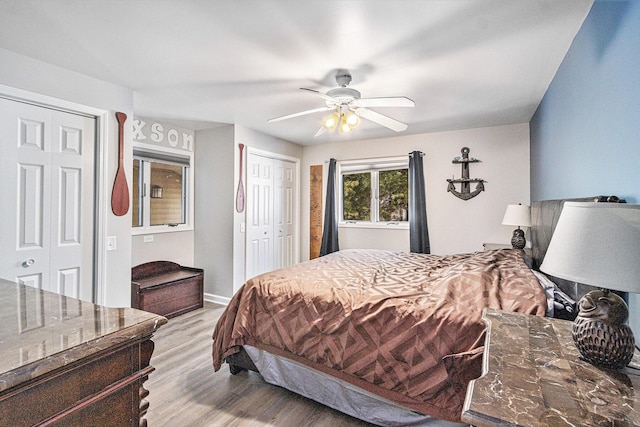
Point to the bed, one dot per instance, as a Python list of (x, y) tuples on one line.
[(405, 327), (402, 328)]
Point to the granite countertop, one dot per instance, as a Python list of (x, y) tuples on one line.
[(533, 376), (41, 331)]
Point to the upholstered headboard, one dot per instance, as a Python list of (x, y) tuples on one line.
[(544, 218)]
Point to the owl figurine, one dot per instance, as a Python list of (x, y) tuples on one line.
[(600, 330)]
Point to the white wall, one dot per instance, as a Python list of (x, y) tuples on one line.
[(42, 79), (219, 241), (214, 201), (176, 247), (455, 226), (261, 141)]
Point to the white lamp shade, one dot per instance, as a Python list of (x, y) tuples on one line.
[(519, 215), (597, 244)]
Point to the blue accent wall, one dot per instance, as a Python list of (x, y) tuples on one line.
[(585, 135)]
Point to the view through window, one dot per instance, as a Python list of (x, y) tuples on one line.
[(160, 192), (375, 191)]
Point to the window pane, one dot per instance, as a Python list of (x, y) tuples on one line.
[(136, 209), (393, 195), (166, 192), (356, 203)]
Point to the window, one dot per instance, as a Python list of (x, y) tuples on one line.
[(162, 183), (374, 192)]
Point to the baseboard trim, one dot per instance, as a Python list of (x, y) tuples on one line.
[(217, 299)]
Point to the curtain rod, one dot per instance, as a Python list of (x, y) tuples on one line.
[(372, 158)]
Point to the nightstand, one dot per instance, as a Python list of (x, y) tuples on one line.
[(533, 376), (491, 246)]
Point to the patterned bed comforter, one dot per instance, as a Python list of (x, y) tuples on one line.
[(401, 325)]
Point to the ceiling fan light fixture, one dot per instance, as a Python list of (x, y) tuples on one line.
[(347, 122), (352, 120), (331, 121)]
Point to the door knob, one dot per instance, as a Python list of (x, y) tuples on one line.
[(28, 263)]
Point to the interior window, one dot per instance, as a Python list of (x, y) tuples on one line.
[(136, 208), (167, 194), (160, 191)]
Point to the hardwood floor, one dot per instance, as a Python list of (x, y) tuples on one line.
[(184, 390)]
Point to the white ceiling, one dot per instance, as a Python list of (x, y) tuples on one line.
[(465, 63)]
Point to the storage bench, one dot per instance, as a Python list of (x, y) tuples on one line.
[(166, 288)]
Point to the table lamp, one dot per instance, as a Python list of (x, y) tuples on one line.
[(519, 215), (598, 244)]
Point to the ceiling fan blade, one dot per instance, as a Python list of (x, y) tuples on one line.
[(301, 113), (380, 119), (320, 131), (397, 101), (318, 93)]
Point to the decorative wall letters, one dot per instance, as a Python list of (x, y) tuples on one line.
[(153, 132)]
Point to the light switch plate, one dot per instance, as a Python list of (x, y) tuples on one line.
[(111, 243)]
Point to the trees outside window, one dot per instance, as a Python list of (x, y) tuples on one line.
[(356, 200), (394, 195), (375, 193)]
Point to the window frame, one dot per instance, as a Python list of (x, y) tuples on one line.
[(148, 153), (372, 166)]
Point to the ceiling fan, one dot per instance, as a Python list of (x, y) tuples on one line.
[(348, 107)]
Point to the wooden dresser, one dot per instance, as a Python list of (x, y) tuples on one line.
[(67, 362), (533, 376), (166, 288)]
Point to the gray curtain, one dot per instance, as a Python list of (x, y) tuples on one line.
[(418, 230), (330, 228)]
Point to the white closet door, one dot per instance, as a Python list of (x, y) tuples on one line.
[(284, 208), (271, 217), (259, 211), (47, 176)]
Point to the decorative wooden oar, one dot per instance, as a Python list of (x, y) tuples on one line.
[(120, 192), (240, 193)]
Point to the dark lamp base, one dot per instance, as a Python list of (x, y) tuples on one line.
[(518, 241), (600, 331)]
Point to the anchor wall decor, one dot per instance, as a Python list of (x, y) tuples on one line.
[(465, 192)]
